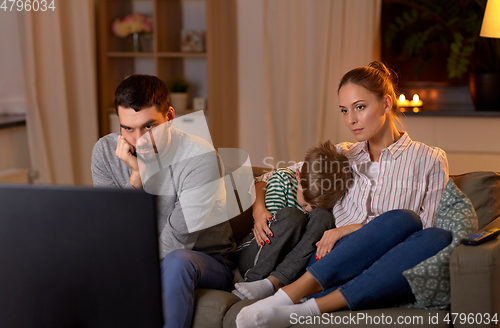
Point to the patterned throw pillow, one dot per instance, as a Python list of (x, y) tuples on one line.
[(430, 279)]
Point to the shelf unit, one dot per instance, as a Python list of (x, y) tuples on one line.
[(212, 74)]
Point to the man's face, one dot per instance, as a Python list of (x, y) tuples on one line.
[(137, 128)]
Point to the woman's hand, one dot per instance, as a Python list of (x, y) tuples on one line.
[(331, 237), (261, 230), (326, 243), (261, 215)]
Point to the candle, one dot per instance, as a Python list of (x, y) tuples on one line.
[(402, 102), (415, 103)]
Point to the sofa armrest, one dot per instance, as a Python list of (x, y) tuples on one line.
[(475, 277)]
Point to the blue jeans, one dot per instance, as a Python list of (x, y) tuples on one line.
[(367, 265), (181, 272)]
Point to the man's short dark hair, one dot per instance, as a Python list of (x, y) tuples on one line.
[(141, 91)]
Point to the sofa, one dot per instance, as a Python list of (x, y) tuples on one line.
[(475, 277)]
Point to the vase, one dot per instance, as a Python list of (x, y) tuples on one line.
[(146, 42), (135, 38), (179, 100), (484, 91)]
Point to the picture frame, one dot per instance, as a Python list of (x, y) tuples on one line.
[(192, 40)]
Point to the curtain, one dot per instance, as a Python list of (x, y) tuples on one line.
[(11, 82), (59, 66), (308, 47)]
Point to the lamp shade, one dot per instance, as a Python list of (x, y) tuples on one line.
[(491, 20)]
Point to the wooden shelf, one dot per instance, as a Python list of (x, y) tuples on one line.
[(182, 112), (182, 54), (157, 54), (129, 54), (212, 74), (9, 121)]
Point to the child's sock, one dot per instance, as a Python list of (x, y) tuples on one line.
[(281, 316), (255, 290), (237, 293), (246, 316)]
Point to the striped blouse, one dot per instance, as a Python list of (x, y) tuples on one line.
[(411, 176)]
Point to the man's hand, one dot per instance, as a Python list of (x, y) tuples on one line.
[(331, 237), (124, 151)]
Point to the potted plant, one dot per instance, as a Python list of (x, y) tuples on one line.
[(178, 88), (451, 26)]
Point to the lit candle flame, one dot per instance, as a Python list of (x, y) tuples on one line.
[(402, 98), (415, 98)]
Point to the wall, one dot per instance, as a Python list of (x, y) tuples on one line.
[(14, 159), (251, 104), (15, 156), (471, 143), (11, 80)]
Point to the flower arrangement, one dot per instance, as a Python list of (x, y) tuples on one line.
[(134, 23)]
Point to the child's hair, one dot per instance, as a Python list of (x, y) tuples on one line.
[(324, 176), (377, 79)]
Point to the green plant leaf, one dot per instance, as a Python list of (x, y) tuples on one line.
[(429, 26), (406, 16), (467, 50), (178, 84)]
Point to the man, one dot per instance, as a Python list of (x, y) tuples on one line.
[(184, 171)]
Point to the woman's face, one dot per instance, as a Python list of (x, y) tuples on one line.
[(364, 114)]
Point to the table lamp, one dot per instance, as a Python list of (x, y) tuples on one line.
[(491, 20)]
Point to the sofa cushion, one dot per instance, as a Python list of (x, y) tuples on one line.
[(430, 279), (230, 318), (483, 190), (242, 225), (211, 306)]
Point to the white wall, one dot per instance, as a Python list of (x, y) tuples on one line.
[(15, 155), (471, 143), (11, 66), (251, 104)]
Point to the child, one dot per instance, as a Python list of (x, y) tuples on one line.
[(301, 213)]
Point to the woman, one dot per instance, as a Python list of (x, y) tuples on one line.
[(397, 186)]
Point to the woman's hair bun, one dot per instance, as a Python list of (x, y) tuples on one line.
[(389, 73), (381, 67)]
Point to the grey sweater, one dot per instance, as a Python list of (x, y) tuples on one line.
[(192, 199)]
